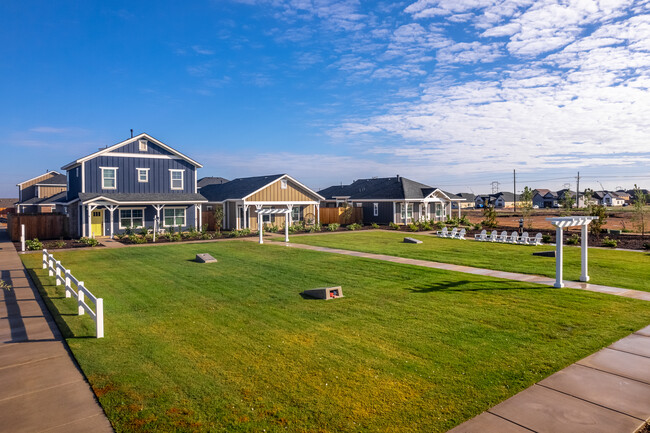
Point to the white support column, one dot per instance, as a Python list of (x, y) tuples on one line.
[(584, 275), (111, 208), (394, 211), (558, 258), (287, 217), (318, 214), (458, 204), (247, 222), (158, 208), (259, 227), (82, 211), (200, 206)]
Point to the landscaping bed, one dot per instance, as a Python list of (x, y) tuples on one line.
[(60, 244), (232, 346)]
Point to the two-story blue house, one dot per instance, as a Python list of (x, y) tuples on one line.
[(130, 185)]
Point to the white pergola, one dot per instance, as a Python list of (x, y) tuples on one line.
[(560, 223), (287, 217)]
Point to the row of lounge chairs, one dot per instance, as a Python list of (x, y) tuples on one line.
[(514, 238), (453, 234)]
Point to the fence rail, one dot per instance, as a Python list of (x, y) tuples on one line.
[(64, 276)]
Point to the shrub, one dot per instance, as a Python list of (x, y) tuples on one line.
[(438, 225), (413, 227), (646, 245), (374, 225), (393, 226), (573, 240), (333, 227), (143, 231), (89, 242), (464, 220), (611, 243), (58, 244), (315, 228), (271, 228), (477, 226), (34, 244), (546, 238), (424, 225), (135, 239), (354, 226)]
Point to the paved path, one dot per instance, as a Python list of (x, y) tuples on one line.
[(607, 392), (41, 387), (628, 293)]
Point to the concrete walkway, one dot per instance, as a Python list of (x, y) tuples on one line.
[(527, 278), (41, 387), (607, 392)]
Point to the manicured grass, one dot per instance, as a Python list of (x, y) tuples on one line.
[(625, 269), (231, 346)]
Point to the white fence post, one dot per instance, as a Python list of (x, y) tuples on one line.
[(68, 287), (80, 299), (44, 259), (50, 265), (99, 319), (22, 237), (59, 280)]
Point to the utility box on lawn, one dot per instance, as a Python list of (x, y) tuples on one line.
[(324, 293)]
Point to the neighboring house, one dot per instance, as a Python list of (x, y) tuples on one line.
[(7, 206), (242, 197), (498, 200), (392, 199), (545, 198), (611, 198), (40, 194), (205, 181), (132, 184), (468, 203)]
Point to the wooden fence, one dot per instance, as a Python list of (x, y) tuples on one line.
[(341, 215), (64, 276), (207, 217), (41, 226)]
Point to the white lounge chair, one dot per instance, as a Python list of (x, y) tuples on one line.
[(482, 237), (503, 237), (453, 233), (493, 236), (443, 233), (461, 234), (514, 237), (537, 240), (523, 239)]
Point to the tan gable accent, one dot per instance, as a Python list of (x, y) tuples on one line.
[(274, 192)]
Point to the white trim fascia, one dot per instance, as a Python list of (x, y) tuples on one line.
[(144, 203), (141, 155), (36, 177), (281, 203), (127, 141), (285, 176), (435, 191), (50, 184), (171, 179)]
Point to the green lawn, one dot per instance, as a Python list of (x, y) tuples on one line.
[(625, 269), (231, 346)]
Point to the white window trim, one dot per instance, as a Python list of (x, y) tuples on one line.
[(375, 209), (119, 217), (109, 168), (146, 170), (171, 179), (175, 207), (142, 145), (283, 184)]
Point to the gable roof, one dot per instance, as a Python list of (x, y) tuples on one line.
[(36, 177), (205, 181), (125, 142), (243, 187), (382, 188), (466, 195), (56, 180)]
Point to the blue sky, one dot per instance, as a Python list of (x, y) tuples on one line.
[(453, 93)]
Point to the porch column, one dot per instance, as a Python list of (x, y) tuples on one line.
[(111, 208), (558, 258), (247, 223), (158, 207), (583, 275), (223, 222), (259, 227), (200, 209), (318, 214), (82, 213), (394, 222), (287, 217)]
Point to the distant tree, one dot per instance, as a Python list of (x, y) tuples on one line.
[(490, 217), (597, 224), (527, 206), (640, 212), (567, 201), (587, 198), (218, 218)]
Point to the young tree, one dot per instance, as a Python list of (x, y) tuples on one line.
[(640, 212), (587, 196), (218, 218), (490, 216), (567, 201), (597, 224), (527, 205)]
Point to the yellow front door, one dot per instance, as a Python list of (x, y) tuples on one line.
[(97, 223)]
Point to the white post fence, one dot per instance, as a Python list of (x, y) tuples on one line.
[(64, 276)]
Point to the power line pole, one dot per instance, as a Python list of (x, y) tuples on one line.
[(514, 187), (578, 192)]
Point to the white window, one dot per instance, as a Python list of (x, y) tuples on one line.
[(176, 179), (109, 177), (142, 145), (143, 174), (409, 210), (208, 207), (375, 209), (174, 217), (131, 218), (296, 213), (266, 218), (283, 184)]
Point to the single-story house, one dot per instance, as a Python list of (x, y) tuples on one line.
[(498, 200), (241, 198), (468, 203), (392, 199)]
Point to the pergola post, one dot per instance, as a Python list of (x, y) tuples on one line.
[(458, 204), (558, 258), (260, 227), (584, 277), (287, 216)]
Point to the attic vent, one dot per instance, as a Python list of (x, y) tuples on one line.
[(142, 145), (283, 184)]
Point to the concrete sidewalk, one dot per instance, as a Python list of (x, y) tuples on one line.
[(41, 386)]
